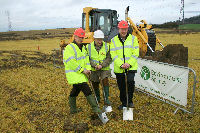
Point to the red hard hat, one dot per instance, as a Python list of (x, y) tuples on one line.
[(79, 32), (123, 24)]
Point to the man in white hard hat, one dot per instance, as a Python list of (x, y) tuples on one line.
[(100, 59)]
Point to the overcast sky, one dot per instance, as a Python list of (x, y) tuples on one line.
[(48, 14)]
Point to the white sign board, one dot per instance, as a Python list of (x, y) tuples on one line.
[(162, 80)]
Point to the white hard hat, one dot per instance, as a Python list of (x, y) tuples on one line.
[(98, 34)]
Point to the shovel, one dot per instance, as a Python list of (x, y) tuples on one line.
[(101, 116), (127, 112), (107, 108)]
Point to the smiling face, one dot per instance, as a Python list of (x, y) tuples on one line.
[(123, 32), (78, 39), (98, 41)]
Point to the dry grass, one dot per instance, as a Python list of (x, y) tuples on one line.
[(33, 94), (36, 34), (45, 45)]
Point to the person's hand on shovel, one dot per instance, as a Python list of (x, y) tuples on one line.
[(87, 72), (98, 67), (125, 66)]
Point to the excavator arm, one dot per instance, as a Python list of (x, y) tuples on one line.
[(142, 41)]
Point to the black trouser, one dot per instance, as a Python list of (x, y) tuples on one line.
[(122, 86), (84, 87)]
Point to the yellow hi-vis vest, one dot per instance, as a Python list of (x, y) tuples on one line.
[(98, 57), (75, 62), (131, 51)]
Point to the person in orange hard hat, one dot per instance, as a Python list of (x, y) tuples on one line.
[(124, 50), (77, 67)]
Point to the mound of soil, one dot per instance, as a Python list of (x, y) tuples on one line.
[(175, 54)]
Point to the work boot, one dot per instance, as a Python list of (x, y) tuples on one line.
[(121, 107), (93, 104), (106, 91), (72, 105), (131, 105), (97, 93)]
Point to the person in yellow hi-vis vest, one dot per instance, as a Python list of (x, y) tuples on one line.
[(100, 60), (125, 46), (77, 67)]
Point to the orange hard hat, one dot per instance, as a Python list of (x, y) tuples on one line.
[(79, 32), (123, 24)]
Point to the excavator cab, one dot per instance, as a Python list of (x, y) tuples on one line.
[(100, 19)]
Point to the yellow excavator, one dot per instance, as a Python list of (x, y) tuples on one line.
[(107, 21)]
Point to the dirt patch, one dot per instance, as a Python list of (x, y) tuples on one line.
[(78, 127), (114, 116), (95, 121), (175, 54), (16, 59), (33, 114)]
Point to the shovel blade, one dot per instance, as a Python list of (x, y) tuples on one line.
[(103, 117), (127, 113), (107, 109)]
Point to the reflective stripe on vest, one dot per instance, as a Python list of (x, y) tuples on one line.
[(134, 56), (126, 58), (76, 70), (106, 47), (89, 48), (115, 57), (72, 57), (121, 47), (74, 50), (95, 61), (80, 58), (90, 51)]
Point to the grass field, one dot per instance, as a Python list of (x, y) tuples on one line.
[(34, 94), (190, 27), (36, 34)]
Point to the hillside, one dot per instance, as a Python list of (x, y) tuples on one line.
[(195, 21), (192, 20), (190, 27)]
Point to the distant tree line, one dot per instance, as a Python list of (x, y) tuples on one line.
[(166, 25), (193, 20), (175, 24)]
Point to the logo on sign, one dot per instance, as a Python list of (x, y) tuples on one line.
[(145, 73)]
